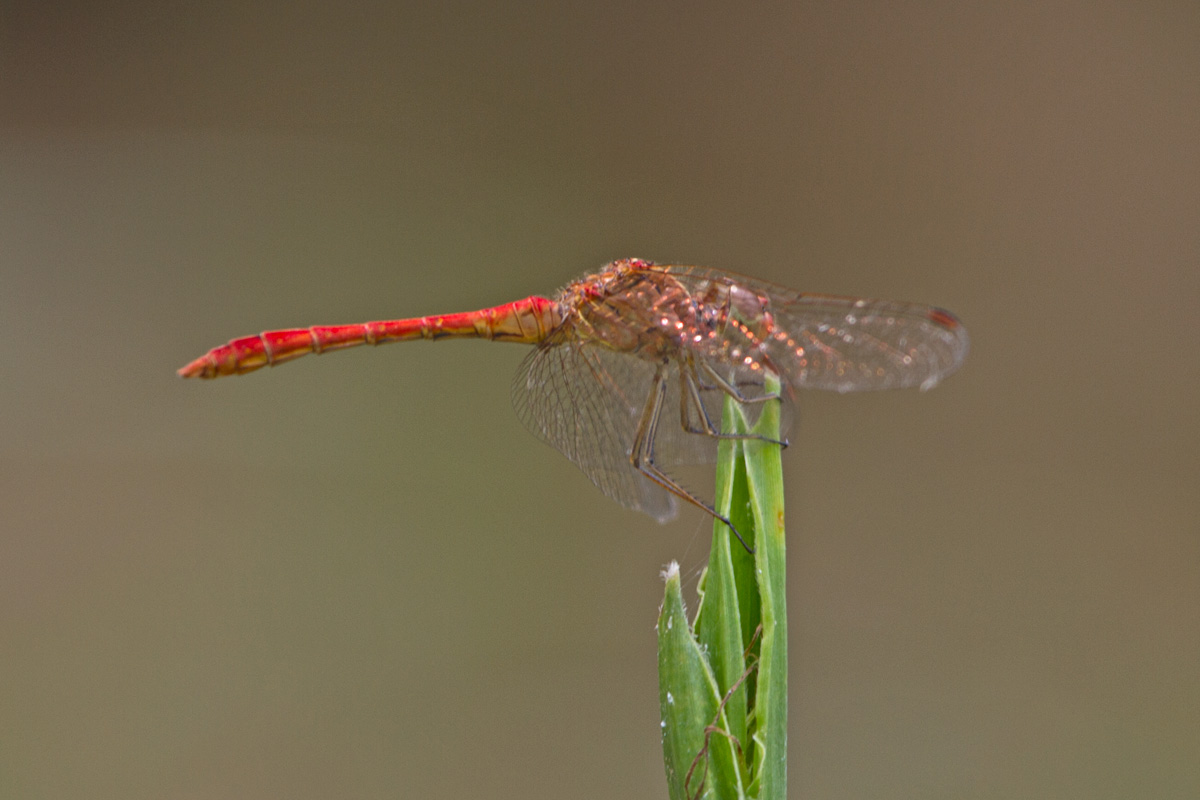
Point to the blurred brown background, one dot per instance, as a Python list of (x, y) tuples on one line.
[(358, 576)]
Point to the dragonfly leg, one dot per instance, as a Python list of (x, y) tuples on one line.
[(690, 390), (642, 456), (711, 387), (732, 390)]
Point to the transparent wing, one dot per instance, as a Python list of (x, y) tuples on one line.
[(847, 345), (585, 400), (841, 343)]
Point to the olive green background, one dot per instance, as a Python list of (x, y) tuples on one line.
[(358, 576)]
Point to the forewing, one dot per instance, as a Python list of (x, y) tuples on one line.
[(585, 400), (842, 343), (846, 344)]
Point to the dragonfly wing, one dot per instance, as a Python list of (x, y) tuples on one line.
[(847, 344), (585, 400), (838, 343)]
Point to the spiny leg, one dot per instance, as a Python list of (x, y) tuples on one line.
[(731, 389), (642, 455), (713, 387), (689, 389)]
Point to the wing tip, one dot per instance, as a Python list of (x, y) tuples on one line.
[(944, 319), (952, 325)]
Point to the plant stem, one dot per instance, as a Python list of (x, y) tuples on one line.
[(730, 738), (764, 472)]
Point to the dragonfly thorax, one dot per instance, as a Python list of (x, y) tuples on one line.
[(633, 308)]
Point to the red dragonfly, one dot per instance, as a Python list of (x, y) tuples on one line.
[(617, 348)]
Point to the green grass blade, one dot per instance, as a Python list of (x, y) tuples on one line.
[(702, 665), (689, 702), (718, 622), (764, 472)]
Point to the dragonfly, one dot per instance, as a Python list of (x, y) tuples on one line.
[(619, 349)]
